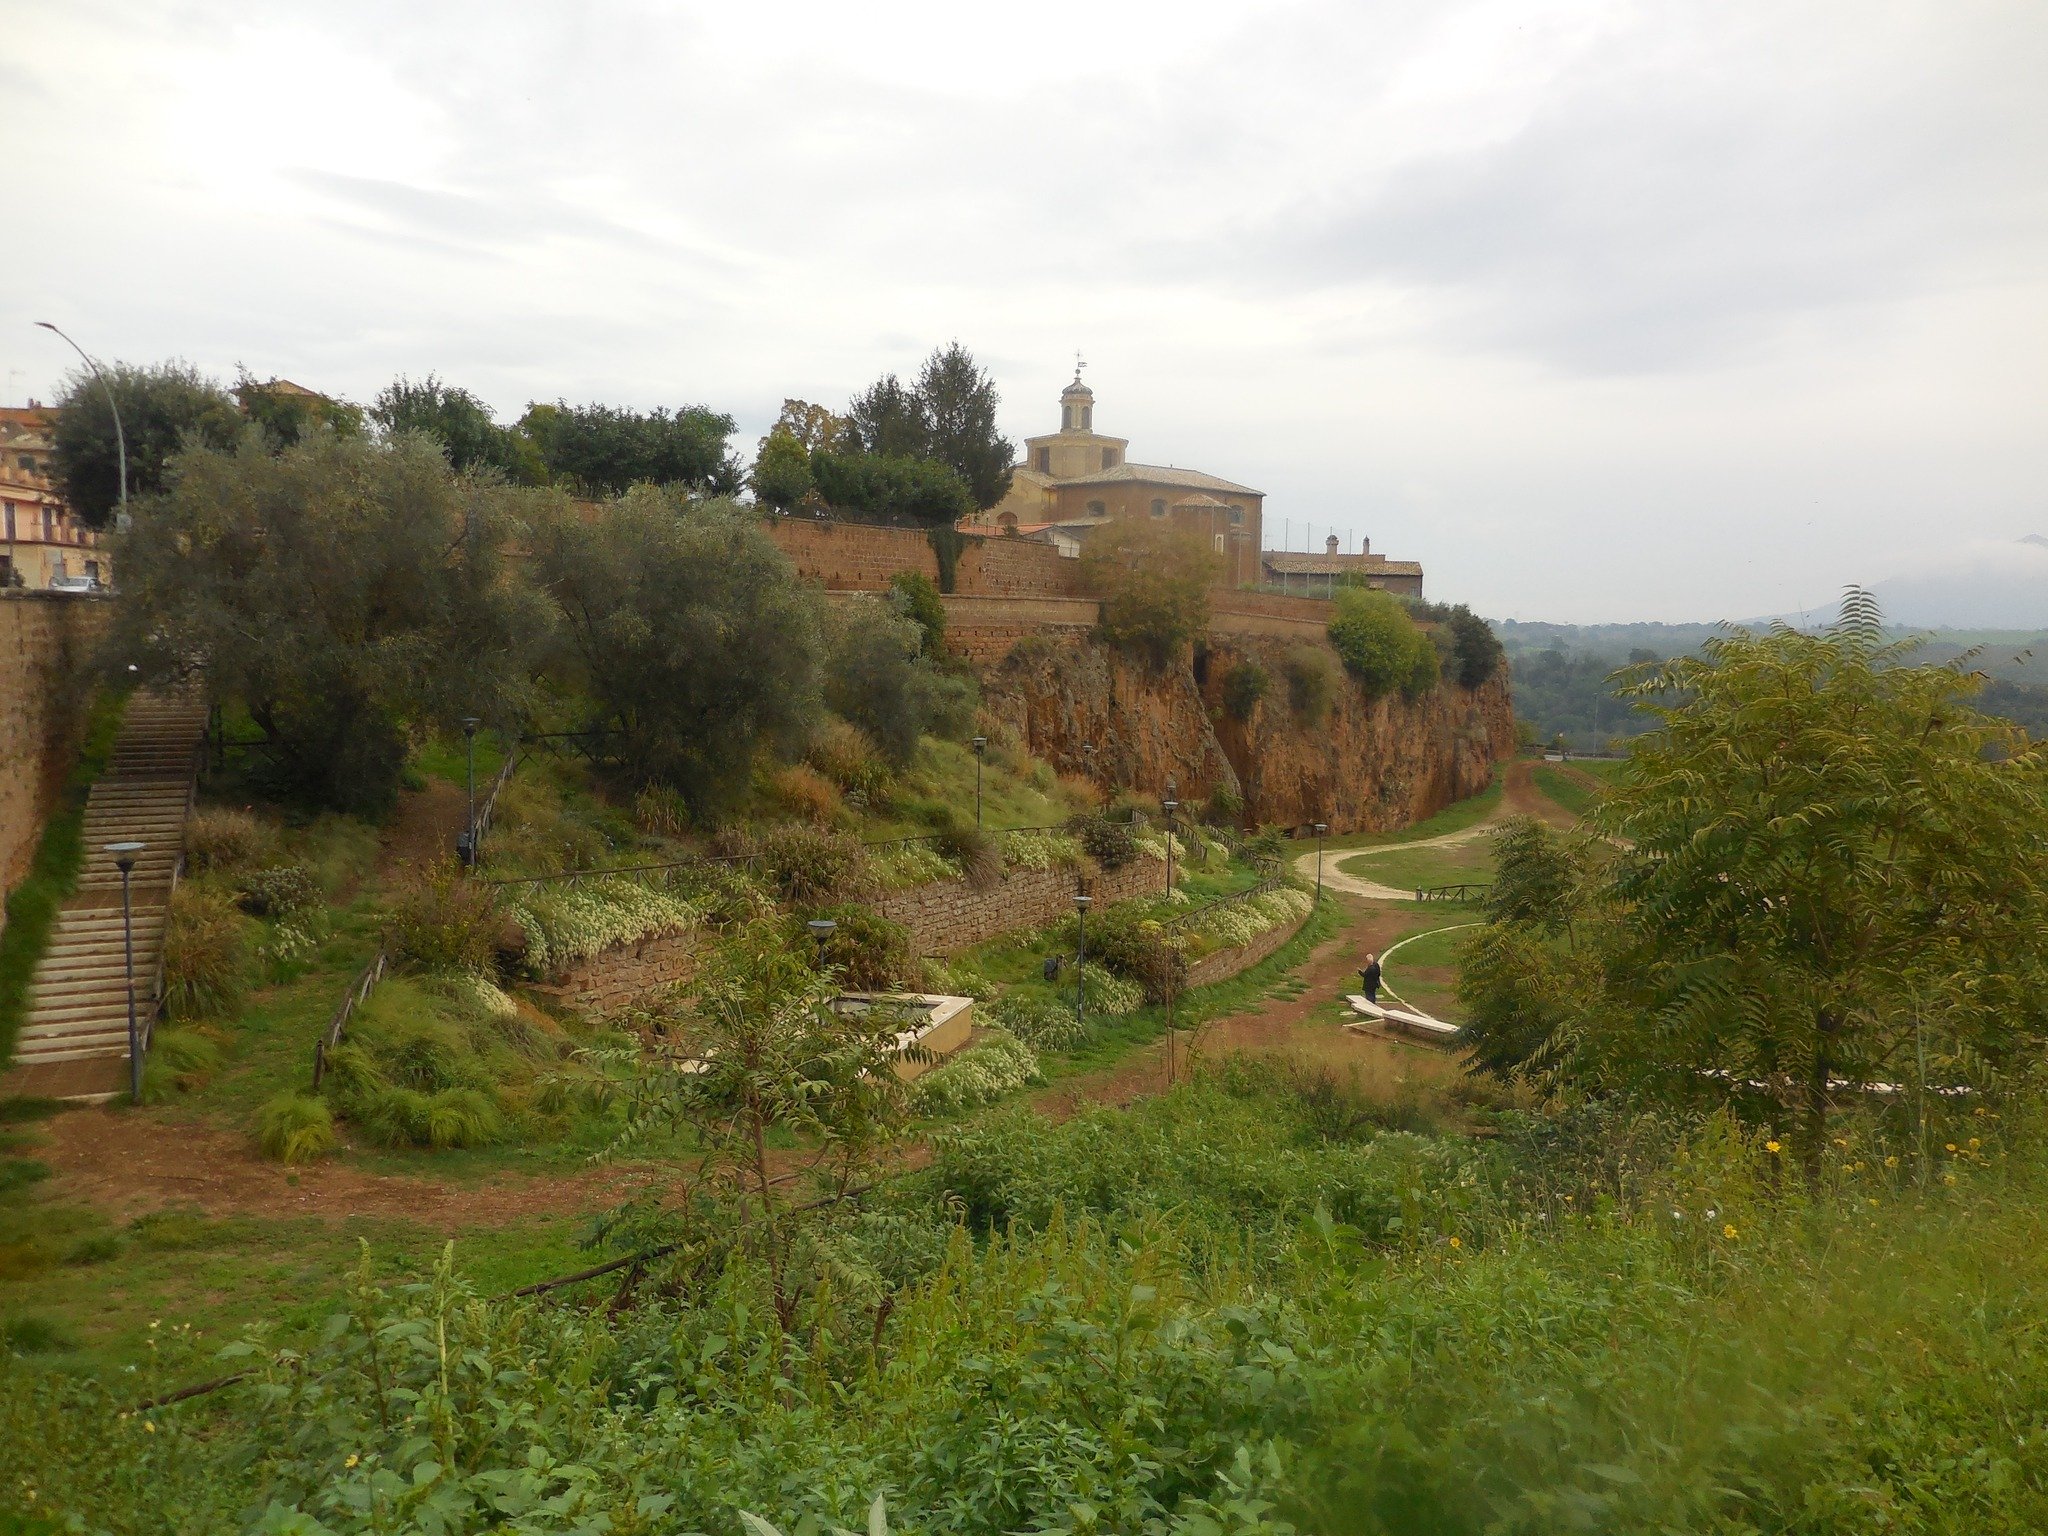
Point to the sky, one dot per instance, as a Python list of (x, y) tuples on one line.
[(1604, 310)]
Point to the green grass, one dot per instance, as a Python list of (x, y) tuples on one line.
[(1424, 970), (1455, 817), (1409, 869), (939, 783), (32, 906), (1566, 789)]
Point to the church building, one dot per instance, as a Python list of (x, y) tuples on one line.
[(1078, 478)]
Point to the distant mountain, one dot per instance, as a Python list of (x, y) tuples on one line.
[(1986, 584)]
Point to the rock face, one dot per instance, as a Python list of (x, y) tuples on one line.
[(1367, 765)]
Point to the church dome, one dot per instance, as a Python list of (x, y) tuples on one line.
[(1077, 388)]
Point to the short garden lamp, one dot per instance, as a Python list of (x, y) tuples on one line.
[(1081, 903), (1322, 829), (125, 855), (980, 747), (821, 934)]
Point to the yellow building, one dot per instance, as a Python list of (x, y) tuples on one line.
[(41, 543), (1077, 477)]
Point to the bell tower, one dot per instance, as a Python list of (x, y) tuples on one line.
[(1077, 406)]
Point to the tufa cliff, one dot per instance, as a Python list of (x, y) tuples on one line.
[(1366, 765)]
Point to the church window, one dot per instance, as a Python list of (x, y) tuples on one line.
[(1097, 509), (1158, 507), (1109, 458), (1087, 418), (1045, 461)]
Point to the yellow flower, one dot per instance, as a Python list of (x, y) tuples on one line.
[(1891, 1162), (1873, 1199), (148, 1425), (1728, 1230), (1456, 1244), (1975, 1143), (353, 1458), (1951, 1146), (1772, 1147), (1948, 1178)]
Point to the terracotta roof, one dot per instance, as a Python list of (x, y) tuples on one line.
[(1282, 563), (1161, 474), (1201, 499)]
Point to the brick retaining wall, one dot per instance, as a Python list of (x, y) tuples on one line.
[(44, 641), (612, 979), (951, 915), (861, 557), (1226, 963)]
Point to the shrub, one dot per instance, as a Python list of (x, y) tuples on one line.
[(912, 594), (1224, 807), (998, 1065), (1112, 844), (441, 921), (1041, 850), (876, 677), (206, 954), (93, 1248), (978, 853), (870, 953), (1154, 581), (659, 810), (808, 865), (1043, 1022), (899, 866), (224, 840), (1127, 942), (1312, 679), (845, 754), (804, 792), (1243, 686), (179, 1060), (295, 1128), (404, 1117), (280, 891), (1381, 645)]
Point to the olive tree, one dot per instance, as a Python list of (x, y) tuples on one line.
[(165, 409)]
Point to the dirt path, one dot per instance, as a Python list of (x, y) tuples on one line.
[(424, 827), (1519, 797)]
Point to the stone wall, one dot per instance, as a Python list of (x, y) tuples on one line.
[(1222, 964), (45, 639), (612, 979), (859, 557), (951, 915)]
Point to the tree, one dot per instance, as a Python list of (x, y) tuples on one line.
[(343, 591), (877, 677), (604, 450), (948, 417), (1154, 582), (896, 489), (1381, 645), (165, 408), (813, 426), (912, 594), (1243, 686), (957, 401), (782, 471), (461, 423), (287, 415), (690, 633)]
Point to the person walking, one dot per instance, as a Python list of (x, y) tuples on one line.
[(1369, 978)]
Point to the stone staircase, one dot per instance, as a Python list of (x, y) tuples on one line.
[(74, 1040)]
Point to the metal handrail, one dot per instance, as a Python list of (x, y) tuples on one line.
[(1246, 894)]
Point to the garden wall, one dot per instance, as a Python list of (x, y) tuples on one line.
[(861, 557), (612, 979), (1222, 964), (45, 638), (950, 915)]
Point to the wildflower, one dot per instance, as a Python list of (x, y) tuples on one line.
[(1873, 1199), (1891, 1162), (1772, 1147), (150, 1425), (1975, 1143), (353, 1458), (1712, 1213), (1728, 1230), (1456, 1244), (1951, 1146), (1948, 1178), (1677, 1215)]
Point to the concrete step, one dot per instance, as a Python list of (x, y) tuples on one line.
[(96, 1011), (78, 1033)]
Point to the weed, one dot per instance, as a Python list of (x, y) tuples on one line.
[(226, 841), (93, 1248), (206, 954), (295, 1128), (36, 1336)]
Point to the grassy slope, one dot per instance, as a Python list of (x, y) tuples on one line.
[(1456, 817), (32, 905), (1408, 869)]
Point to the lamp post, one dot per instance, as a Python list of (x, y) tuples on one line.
[(980, 747), (821, 934), (120, 436), (1081, 961), (124, 857), (1169, 805), (469, 725), (1321, 829)]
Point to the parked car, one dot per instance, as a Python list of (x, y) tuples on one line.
[(75, 584)]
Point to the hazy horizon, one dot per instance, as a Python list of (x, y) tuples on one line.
[(1603, 312)]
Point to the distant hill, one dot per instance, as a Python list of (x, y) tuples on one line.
[(1561, 671)]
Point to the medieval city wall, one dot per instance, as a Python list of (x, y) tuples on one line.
[(951, 915), (45, 639)]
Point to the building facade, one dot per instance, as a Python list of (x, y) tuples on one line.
[(41, 542), (1077, 478), (1320, 575)]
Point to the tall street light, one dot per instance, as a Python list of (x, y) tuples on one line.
[(1321, 829), (1081, 962), (1169, 805), (124, 857), (980, 747), (120, 437), (469, 725)]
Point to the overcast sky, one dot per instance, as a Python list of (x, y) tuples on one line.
[(1602, 310)]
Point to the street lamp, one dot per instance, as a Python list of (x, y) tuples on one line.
[(120, 437), (1321, 828), (980, 746), (124, 857), (1169, 805), (469, 725), (1081, 961), (821, 933)]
